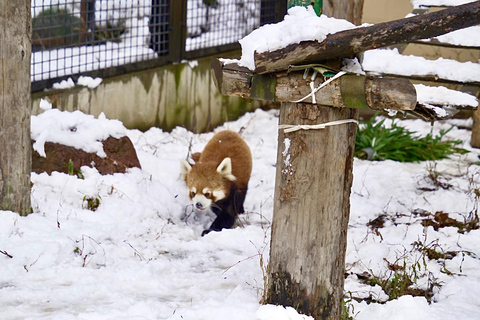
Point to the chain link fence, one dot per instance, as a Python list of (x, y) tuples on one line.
[(102, 38)]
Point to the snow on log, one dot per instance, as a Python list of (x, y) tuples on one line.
[(438, 103), (348, 43)]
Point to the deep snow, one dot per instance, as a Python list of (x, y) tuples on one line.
[(141, 256)]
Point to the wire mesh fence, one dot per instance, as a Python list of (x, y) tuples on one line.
[(108, 37)]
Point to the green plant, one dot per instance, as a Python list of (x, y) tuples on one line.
[(70, 167), (110, 32), (377, 142), (55, 27), (91, 203), (347, 308), (55, 22), (404, 274), (72, 171)]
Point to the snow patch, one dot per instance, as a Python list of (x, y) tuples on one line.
[(89, 82), (74, 129)]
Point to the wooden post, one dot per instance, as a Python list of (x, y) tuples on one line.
[(475, 138), (15, 153), (311, 211), (350, 10)]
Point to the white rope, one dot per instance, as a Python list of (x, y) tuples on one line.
[(312, 94), (295, 127)]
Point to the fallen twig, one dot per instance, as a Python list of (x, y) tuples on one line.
[(6, 253)]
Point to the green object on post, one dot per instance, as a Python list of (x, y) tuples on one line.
[(317, 4), (352, 88), (263, 87)]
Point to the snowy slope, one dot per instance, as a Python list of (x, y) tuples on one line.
[(140, 254)]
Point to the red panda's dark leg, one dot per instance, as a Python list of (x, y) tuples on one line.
[(225, 212), (224, 220), (239, 199)]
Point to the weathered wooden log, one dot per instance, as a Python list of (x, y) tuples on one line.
[(348, 43), (347, 91), (475, 140), (311, 211)]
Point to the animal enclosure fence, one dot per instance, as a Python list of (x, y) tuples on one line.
[(102, 38)]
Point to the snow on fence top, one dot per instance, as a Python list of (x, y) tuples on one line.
[(468, 37), (390, 61), (438, 3)]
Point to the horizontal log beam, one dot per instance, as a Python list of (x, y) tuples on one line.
[(348, 43), (347, 91)]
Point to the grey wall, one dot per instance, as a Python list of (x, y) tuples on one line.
[(175, 95)]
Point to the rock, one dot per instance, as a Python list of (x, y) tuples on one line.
[(121, 155)]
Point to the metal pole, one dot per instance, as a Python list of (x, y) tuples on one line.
[(317, 4)]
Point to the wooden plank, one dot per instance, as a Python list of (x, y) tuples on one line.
[(436, 42), (348, 43), (428, 78), (378, 93)]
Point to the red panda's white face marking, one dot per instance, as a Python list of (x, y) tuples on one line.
[(219, 194), (202, 200), (206, 184)]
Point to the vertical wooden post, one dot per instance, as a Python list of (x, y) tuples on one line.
[(15, 147), (311, 211), (475, 138), (87, 13), (350, 10)]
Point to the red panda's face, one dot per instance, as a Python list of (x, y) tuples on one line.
[(207, 183), (202, 199)]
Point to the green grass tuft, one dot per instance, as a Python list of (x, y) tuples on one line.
[(376, 142)]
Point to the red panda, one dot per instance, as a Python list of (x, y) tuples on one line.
[(219, 178)]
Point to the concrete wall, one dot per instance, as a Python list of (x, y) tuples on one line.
[(175, 95)]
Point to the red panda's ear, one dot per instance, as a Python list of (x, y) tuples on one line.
[(196, 156), (185, 168), (225, 169)]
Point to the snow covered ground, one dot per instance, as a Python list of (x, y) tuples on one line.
[(140, 254)]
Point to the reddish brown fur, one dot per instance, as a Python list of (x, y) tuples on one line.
[(223, 144), (229, 144)]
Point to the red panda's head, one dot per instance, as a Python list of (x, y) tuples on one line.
[(208, 182)]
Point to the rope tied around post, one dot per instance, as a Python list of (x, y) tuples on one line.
[(314, 90), (287, 128)]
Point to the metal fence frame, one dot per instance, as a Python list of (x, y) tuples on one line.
[(177, 52)]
